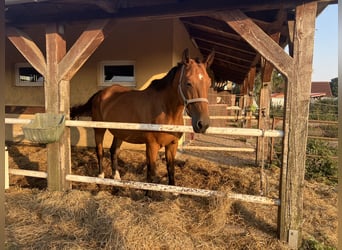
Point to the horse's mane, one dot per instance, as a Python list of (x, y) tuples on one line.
[(160, 84)]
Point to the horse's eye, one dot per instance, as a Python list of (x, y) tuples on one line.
[(189, 85)]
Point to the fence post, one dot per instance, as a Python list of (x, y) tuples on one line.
[(296, 126)]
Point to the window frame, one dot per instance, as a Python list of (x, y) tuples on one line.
[(105, 83), (21, 83)]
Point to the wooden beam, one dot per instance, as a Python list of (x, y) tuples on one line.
[(83, 48), (258, 39), (296, 127), (27, 47), (162, 11)]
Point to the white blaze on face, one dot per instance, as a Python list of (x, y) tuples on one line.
[(200, 76)]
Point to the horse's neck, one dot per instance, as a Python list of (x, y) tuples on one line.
[(172, 102)]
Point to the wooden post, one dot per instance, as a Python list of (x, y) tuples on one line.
[(263, 122), (57, 101), (2, 125), (296, 126), (298, 71), (249, 97), (58, 69), (264, 110), (61, 67), (264, 106), (272, 142)]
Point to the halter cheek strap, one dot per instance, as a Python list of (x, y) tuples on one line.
[(188, 101)]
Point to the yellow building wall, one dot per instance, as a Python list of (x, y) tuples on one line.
[(155, 46)]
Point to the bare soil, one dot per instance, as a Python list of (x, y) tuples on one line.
[(93, 216)]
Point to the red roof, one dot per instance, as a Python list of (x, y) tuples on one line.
[(321, 87)]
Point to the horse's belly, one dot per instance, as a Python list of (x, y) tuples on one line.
[(130, 136), (141, 137)]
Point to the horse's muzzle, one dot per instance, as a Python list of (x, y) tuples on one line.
[(200, 126)]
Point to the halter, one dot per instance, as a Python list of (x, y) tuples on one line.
[(188, 101)]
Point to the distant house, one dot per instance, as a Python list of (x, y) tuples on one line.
[(318, 90), (277, 99)]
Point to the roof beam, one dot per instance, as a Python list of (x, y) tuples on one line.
[(230, 40), (153, 12), (221, 48), (258, 39)]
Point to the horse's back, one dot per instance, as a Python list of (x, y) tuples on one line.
[(122, 104)]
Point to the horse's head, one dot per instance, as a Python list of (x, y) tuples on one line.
[(194, 83)]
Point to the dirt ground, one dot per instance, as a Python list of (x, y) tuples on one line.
[(94, 216)]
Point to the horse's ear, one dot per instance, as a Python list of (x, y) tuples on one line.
[(210, 58), (186, 56)]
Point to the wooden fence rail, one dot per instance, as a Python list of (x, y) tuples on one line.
[(161, 127)]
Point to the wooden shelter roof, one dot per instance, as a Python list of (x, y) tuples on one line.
[(234, 56)]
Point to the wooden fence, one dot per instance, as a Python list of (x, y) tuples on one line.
[(152, 186)]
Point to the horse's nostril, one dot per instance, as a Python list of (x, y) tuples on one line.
[(202, 126), (199, 125)]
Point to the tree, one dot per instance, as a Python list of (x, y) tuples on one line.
[(334, 86)]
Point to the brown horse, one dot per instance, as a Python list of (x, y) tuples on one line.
[(163, 102)]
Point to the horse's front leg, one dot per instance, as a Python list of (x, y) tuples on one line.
[(151, 160), (170, 154), (99, 133), (114, 152)]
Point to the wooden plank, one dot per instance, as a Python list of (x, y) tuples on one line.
[(173, 189), (27, 47), (323, 138), (296, 125), (214, 148), (258, 39), (83, 48), (174, 128), (31, 173)]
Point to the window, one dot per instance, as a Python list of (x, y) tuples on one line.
[(26, 75), (117, 72)]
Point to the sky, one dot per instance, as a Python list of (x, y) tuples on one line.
[(325, 62)]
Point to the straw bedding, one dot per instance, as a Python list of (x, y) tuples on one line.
[(101, 217)]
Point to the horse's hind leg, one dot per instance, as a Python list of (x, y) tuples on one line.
[(114, 151), (170, 154), (99, 133)]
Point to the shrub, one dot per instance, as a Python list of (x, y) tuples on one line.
[(325, 109), (319, 165)]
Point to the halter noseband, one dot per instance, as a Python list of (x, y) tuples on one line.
[(188, 101)]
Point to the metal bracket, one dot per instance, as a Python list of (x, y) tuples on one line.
[(293, 239)]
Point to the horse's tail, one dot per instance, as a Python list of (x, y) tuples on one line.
[(84, 109)]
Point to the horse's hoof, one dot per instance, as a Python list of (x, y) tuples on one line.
[(117, 175), (101, 175)]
